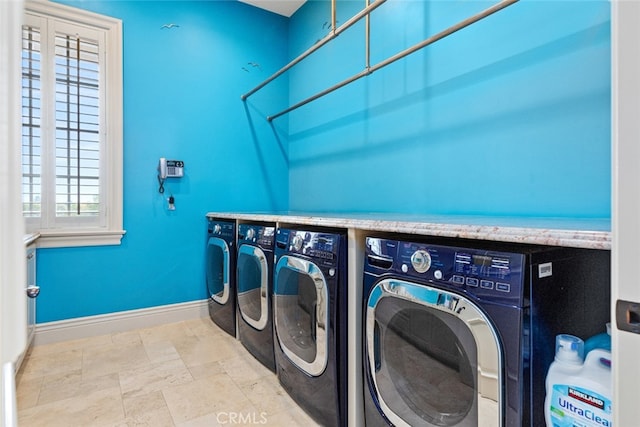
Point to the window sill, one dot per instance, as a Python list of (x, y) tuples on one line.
[(69, 239)]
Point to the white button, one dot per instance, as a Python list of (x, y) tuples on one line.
[(437, 274), (332, 272), (405, 268)]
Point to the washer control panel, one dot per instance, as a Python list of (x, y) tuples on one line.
[(482, 273)]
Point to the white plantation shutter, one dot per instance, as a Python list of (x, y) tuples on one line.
[(31, 120), (71, 126), (77, 136), (62, 145)]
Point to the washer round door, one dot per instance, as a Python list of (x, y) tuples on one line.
[(252, 280), (301, 313), (218, 270), (433, 357)]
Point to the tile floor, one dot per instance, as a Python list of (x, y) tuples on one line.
[(186, 374)]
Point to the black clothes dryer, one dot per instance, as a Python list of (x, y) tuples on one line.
[(463, 334), (254, 280), (220, 265), (310, 315)]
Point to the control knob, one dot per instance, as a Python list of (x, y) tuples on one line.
[(297, 242), (421, 261), (217, 228), (251, 233)]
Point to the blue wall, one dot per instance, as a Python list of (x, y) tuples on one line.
[(181, 100), (510, 116)]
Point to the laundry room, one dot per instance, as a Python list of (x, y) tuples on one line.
[(256, 160)]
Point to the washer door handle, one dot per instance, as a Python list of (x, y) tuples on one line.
[(314, 320), (376, 346)]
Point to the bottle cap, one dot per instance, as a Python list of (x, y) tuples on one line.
[(569, 349)]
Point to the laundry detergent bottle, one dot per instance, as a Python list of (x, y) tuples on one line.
[(578, 392), (602, 340)]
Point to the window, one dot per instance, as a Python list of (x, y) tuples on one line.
[(71, 126)]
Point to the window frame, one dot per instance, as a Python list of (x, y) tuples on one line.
[(109, 230)]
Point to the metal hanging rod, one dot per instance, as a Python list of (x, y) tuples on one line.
[(368, 70), (367, 37), (326, 39)]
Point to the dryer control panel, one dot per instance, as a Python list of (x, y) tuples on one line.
[(223, 229), (259, 234), (320, 246)]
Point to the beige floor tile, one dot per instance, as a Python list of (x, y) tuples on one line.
[(245, 369), (100, 408), (292, 417), (62, 379), (211, 395), (204, 327), (208, 420), (198, 350), (79, 344), (40, 364), (267, 395), (112, 358), (28, 391), (154, 377), (206, 370), (186, 374), (161, 351), (74, 385), (165, 332), (148, 410), (128, 337)]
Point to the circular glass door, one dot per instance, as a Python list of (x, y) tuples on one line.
[(218, 270), (252, 282), (433, 357), (300, 309)]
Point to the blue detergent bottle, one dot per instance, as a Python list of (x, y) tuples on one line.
[(602, 341), (578, 389)]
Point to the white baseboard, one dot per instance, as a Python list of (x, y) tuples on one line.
[(84, 327)]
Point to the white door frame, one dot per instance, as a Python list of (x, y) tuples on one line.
[(12, 252), (625, 125)]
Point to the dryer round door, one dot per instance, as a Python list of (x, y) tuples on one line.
[(433, 357), (218, 270), (252, 281), (301, 313)]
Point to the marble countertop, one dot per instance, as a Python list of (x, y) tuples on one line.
[(578, 233)]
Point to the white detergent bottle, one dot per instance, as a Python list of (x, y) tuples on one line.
[(578, 394)]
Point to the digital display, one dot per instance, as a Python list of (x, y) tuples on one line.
[(325, 244), (482, 260), (479, 265)]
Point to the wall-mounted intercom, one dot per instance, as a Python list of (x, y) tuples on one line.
[(169, 169)]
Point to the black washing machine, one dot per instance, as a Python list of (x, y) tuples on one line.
[(310, 315), (221, 267), (463, 335), (254, 280)]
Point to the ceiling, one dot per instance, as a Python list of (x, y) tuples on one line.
[(281, 7)]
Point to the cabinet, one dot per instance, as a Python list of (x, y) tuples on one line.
[(32, 293), (32, 290)]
